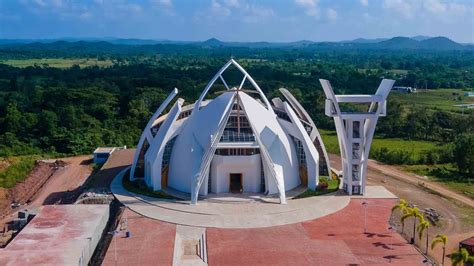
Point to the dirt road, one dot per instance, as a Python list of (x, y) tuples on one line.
[(457, 211), (65, 184), (62, 185), (417, 180)]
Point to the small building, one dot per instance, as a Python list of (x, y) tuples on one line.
[(101, 154), (469, 94), (468, 244), (404, 89), (465, 105)]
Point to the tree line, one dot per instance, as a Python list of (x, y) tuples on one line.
[(74, 110)]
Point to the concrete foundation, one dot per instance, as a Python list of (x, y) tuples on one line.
[(58, 235)]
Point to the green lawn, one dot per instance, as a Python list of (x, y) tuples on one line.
[(416, 148), (17, 170), (57, 62), (440, 98), (333, 186)]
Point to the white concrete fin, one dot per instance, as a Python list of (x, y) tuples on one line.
[(246, 77), (155, 154), (314, 135), (147, 133), (312, 155)]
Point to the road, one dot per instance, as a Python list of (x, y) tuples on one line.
[(457, 219), (61, 187), (417, 180), (65, 183)]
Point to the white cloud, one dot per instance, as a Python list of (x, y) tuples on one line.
[(232, 3), (429, 9), (40, 2), (331, 14), (164, 6), (444, 9), (255, 13), (364, 2), (307, 3), (133, 8), (401, 7), (162, 3), (86, 15), (434, 6), (311, 6), (220, 9)]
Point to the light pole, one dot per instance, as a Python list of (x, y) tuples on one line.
[(392, 229), (365, 204), (114, 234)]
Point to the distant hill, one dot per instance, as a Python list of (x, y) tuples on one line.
[(441, 43), (213, 42), (362, 40), (399, 43), (420, 37), (130, 46)]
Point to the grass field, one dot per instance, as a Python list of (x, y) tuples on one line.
[(443, 99), (393, 71), (58, 62), (17, 170), (445, 174), (417, 148)]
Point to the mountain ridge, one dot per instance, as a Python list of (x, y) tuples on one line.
[(395, 43)]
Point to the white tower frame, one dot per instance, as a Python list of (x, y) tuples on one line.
[(355, 131)]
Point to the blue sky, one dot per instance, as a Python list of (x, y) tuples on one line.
[(237, 20)]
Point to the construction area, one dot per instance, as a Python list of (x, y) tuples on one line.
[(58, 235), (72, 218)]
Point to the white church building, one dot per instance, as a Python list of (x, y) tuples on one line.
[(233, 140)]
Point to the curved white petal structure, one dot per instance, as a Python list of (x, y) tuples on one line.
[(314, 133), (146, 135), (312, 155), (232, 143), (154, 157)]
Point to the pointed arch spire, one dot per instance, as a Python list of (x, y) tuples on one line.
[(219, 76)]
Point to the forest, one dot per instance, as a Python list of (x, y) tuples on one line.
[(74, 108)]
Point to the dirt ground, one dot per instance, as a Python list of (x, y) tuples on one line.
[(457, 221), (48, 184)]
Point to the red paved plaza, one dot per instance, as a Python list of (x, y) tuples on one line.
[(151, 242), (336, 239)]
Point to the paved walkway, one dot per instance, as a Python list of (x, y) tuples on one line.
[(250, 214)]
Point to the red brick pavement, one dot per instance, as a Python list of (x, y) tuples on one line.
[(336, 239), (151, 242)]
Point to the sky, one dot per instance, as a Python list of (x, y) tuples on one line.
[(237, 20)]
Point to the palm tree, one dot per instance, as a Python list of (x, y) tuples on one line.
[(402, 206), (424, 225), (460, 257), (415, 213), (440, 239)]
